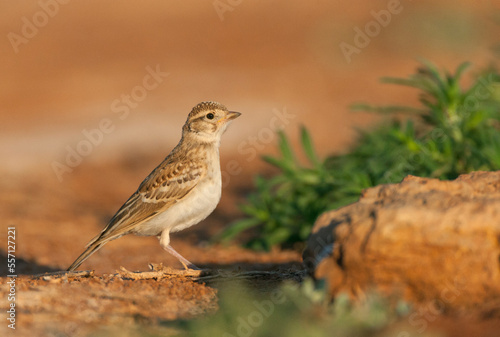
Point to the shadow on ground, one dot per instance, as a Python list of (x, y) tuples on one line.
[(24, 267)]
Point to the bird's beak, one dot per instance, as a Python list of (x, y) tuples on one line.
[(230, 116)]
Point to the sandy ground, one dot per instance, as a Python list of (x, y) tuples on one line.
[(115, 83)]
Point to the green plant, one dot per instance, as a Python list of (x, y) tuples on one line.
[(454, 131), (293, 310), (457, 130), (289, 202)]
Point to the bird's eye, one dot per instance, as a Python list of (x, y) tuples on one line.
[(210, 115)]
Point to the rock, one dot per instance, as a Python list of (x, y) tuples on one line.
[(427, 239)]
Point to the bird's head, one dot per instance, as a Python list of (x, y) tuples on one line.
[(208, 121)]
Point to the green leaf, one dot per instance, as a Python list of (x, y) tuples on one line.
[(308, 147), (279, 163), (285, 148), (460, 69)]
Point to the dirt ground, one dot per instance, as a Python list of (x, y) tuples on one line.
[(279, 64)]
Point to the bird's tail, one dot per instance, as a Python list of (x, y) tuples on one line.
[(91, 249)]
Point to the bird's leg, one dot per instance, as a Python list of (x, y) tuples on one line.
[(182, 259), (164, 242)]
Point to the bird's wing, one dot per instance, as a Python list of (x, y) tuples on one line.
[(167, 184)]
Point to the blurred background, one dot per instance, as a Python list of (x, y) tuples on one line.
[(93, 94)]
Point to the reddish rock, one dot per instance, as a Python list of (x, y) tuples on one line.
[(428, 239)]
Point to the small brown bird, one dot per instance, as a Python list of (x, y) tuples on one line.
[(182, 191)]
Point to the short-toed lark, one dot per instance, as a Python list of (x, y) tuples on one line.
[(182, 191)]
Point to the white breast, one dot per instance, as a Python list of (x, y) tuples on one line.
[(199, 204)]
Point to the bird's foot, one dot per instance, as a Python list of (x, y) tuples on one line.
[(189, 265)]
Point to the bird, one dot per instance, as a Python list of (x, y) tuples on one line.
[(180, 192)]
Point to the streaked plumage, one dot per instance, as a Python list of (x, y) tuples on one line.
[(183, 190)]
